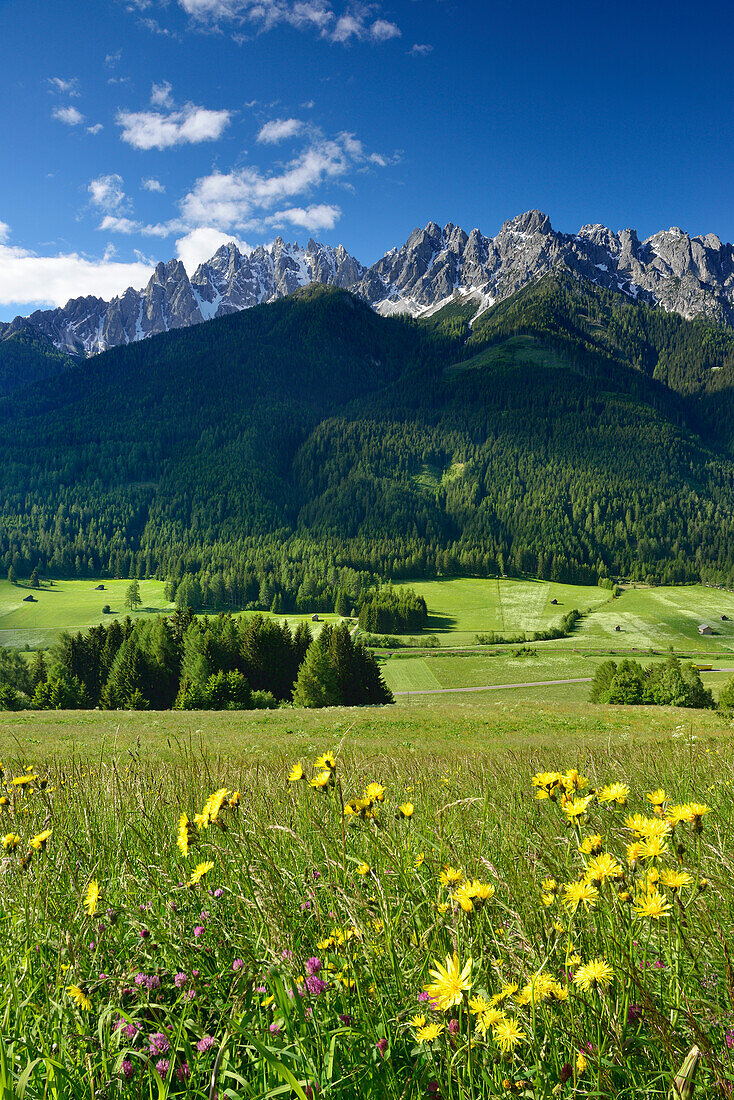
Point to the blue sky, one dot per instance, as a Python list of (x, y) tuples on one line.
[(140, 130)]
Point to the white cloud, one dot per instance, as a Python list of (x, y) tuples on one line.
[(315, 15), (420, 49), (52, 280), (152, 185), (95, 129), (160, 95), (64, 87), (200, 244), (312, 217), (382, 30), (111, 59), (4, 232), (111, 223), (237, 198), (279, 130), (106, 192), (190, 125), (69, 115)]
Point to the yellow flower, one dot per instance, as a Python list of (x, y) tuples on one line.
[(428, 1033), (374, 792), (79, 996), (550, 885), (235, 800), (647, 826), (199, 871), (591, 845), (580, 893), (695, 811), (326, 760), (24, 780), (675, 879), (603, 867), (321, 780), (182, 840), (675, 814), (580, 1062), (653, 848), (489, 1019), (538, 989), (575, 809), (39, 841), (362, 868), (507, 1035), (215, 802), (547, 781), (296, 773), (656, 798), (450, 982), (634, 852), (11, 842), (477, 1005), (653, 905), (417, 1021), (419, 860), (451, 876), (406, 809), (597, 973), (464, 896), (614, 792), (573, 781), (91, 898), (482, 891)]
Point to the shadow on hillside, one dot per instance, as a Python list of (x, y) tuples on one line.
[(436, 623)]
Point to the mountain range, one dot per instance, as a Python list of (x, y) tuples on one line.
[(693, 277)]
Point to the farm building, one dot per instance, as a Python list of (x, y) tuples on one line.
[(315, 619), (704, 629), (554, 602), (618, 628), (30, 599), (99, 588)]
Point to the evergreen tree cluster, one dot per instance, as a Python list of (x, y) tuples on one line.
[(667, 683), (293, 455), (392, 611), (185, 663)]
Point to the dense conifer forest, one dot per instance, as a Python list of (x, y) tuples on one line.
[(296, 454)]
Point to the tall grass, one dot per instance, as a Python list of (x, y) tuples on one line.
[(296, 966)]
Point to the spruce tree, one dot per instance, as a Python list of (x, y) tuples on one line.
[(317, 684)]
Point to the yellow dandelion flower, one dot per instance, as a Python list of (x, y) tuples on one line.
[(580, 1062), (591, 845), (464, 896), (295, 773), (634, 852), (603, 867), (450, 982), (451, 876), (215, 802), (362, 869), (326, 760), (482, 891), (419, 860), (675, 814), (547, 780), (428, 1033), (79, 996), (199, 871), (11, 842), (580, 893), (674, 880), (235, 800), (548, 899), (550, 885), (375, 792), (321, 780), (594, 974), (574, 781), (656, 798), (406, 809), (324, 945), (488, 1019), (477, 1005), (442, 907), (39, 842), (652, 904), (614, 792), (182, 839), (574, 809), (507, 1035), (647, 826), (537, 990), (91, 898), (559, 992), (24, 780), (417, 1021), (653, 847), (695, 812)]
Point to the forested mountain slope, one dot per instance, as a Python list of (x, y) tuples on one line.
[(567, 432)]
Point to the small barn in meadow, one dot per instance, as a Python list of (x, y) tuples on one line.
[(618, 628), (99, 588), (554, 602), (30, 599), (315, 619), (705, 629)]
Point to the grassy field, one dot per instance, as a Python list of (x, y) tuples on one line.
[(270, 943)]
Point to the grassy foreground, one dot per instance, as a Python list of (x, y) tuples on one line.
[(192, 923)]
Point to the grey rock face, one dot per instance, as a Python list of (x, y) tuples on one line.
[(229, 282), (690, 276), (693, 276)]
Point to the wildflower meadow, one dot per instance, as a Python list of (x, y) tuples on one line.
[(390, 927)]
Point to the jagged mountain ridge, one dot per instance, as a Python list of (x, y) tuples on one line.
[(690, 276)]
